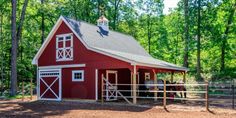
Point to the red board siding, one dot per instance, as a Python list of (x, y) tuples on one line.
[(93, 60), (78, 89)]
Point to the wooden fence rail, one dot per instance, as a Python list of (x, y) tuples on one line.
[(205, 91)]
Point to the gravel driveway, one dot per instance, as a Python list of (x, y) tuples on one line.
[(17, 108)]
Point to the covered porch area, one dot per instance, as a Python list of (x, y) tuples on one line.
[(135, 83)]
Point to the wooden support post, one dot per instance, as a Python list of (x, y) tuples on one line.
[(164, 95), (155, 85), (31, 89), (184, 77), (134, 86), (131, 81), (171, 79), (207, 96), (102, 87), (23, 95), (233, 95)]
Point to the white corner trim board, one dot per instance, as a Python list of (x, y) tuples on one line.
[(96, 84), (62, 66)]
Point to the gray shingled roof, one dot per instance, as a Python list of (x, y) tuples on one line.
[(117, 44), (113, 41)]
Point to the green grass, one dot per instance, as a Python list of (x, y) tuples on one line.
[(16, 96)]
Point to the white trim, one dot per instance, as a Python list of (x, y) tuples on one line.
[(96, 84), (111, 92), (49, 99), (156, 66), (62, 66), (77, 71), (111, 71), (60, 84), (38, 84), (63, 35)]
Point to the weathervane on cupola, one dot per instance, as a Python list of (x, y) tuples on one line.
[(102, 22)]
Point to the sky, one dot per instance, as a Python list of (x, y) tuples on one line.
[(169, 4)]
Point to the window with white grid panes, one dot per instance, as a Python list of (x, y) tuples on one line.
[(78, 75), (64, 47)]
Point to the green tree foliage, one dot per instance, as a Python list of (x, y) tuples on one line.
[(161, 34)]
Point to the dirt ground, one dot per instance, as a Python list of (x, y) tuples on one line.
[(70, 109)]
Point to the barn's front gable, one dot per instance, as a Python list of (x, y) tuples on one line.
[(81, 59)]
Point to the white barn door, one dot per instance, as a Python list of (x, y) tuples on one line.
[(49, 84)]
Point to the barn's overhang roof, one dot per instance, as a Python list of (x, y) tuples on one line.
[(116, 45), (143, 60)]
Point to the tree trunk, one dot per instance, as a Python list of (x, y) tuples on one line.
[(149, 33), (116, 4), (176, 47), (199, 41), (42, 23), (13, 50), (186, 26), (2, 58), (225, 36), (22, 18), (74, 6), (99, 7)]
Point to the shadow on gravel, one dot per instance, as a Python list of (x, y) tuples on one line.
[(51, 108)]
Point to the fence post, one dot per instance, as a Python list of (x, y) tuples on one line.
[(233, 95), (23, 91), (164, 95), (102, 85), (155, 85), (134, 85), (31, 89), (131, 81), (207, 96)]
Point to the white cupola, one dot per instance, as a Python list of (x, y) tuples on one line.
[(102, 23)]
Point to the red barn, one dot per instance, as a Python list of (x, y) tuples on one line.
[(76, 54)]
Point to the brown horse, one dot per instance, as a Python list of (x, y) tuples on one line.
[(176, 88)]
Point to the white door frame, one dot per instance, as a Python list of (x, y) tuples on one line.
[(49, 73), (112, 90)]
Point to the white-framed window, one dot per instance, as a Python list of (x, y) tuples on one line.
[(78, 75), (64, 47), (147, 76)]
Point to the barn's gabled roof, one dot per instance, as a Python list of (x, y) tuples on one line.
[(117, 45), (92, 36)]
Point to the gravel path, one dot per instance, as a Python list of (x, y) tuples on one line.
[(17, 108)]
